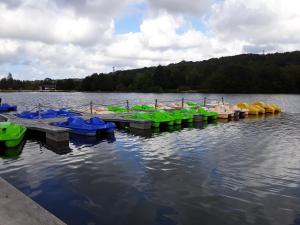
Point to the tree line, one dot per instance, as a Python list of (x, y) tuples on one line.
[(246, 73)]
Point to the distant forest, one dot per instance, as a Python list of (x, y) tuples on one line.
[(247, 73)]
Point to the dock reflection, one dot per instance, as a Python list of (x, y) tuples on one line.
[(79, 140), (267, 116), (170, 129)]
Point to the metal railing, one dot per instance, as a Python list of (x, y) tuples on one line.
[(91, 106)]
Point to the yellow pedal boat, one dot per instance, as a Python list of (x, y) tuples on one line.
[(268, 108), (276, 107), (252, 110), (260, 109)]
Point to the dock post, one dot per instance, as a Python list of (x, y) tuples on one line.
[(223, 100), (182, 103), (91, 107), (236, 115), (197, 118), (57, 140), (155, 103), (204, 101), (127, 105), (39, 110), (140, 125)]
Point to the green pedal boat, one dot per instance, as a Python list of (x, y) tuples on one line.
[(208, 114), (117, 109), (143, 108), (180, 116), (156, 118), (11, 134)]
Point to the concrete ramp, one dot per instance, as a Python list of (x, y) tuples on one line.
[(17, 209)]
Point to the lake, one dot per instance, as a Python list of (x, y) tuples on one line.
[(238, 172)]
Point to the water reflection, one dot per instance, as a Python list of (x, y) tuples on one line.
[(223, 174), (12, 153), (263, 117), (169, 129), (79, 140)]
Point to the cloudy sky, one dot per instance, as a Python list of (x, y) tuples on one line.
[(75, 38)]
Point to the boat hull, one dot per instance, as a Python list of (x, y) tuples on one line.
[(7, 108), (155, 124), (14, 143), (223, 116), (270, 110), (15, 138)]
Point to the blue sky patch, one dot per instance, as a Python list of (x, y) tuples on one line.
[(132, 20)]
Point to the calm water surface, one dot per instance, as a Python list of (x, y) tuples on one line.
[(241, 172)]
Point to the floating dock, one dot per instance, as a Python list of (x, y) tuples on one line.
[(58, 137), (16, 208)]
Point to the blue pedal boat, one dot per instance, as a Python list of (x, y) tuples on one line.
[(90, 127), (47, 114), (7, 108)]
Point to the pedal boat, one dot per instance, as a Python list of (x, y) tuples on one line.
[(11, 134), (268, 108), (252, 110), (90, 127)]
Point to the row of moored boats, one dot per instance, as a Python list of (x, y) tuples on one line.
[(176, 113)]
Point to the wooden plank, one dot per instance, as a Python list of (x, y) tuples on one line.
[(39, 125)]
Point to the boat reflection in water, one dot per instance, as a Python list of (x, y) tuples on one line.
[(169, 129), (79, 140), (203, 124), (12, 153), (267, 116), (75, 139)]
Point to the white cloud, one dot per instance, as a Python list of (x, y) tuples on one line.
[(194, 7), (270, 23), (96, 9), (51, 25), (159, 42), (9, 51), (64, 38)]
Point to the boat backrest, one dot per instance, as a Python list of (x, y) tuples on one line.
[(75, 120), (96, 121)]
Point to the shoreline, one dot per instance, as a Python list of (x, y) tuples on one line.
[(140, 92)]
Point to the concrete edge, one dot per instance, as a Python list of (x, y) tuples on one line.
[(17, 209)]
